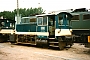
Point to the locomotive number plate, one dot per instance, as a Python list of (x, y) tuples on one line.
[(89, 39)]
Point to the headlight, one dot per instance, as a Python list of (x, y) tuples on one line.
[(58, 31), (70, 30)]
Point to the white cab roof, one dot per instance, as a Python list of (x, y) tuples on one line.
[(53, 13)]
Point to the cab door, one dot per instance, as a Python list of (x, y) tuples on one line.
[(51, 26), (42, 27)]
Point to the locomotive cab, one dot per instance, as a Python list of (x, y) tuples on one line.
[(54, 28), (63, 25), (52, 25)]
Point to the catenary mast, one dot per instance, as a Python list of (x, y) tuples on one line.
[(17, 10)]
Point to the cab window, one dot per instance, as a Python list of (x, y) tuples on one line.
[(86, 16), (3, 23), (75, 18), (60, 20), (42, 20)]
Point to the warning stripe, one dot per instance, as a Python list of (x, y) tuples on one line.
[(89, 39)]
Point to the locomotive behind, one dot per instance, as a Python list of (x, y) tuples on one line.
[(81, 26), (6, 28)]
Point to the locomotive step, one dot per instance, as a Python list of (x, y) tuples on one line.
[(27, 43), (53, 46), (53, 42), (51, 38)]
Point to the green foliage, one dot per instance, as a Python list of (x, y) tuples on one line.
[(24, 12)]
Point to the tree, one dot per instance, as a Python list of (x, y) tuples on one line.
[(24, 12)]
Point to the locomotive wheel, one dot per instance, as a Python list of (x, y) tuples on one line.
[(13, 39), (61, 44), (1, 40), (38, 43), (42, 43)]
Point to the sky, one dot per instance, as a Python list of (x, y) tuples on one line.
[(47, 5)]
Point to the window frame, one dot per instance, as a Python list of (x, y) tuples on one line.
[(42, 21), (87, 18), (45, 19), (60, 18), (77, 18), (38, 21)]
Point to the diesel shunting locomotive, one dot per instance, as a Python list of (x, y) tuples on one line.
[(47, 30)]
